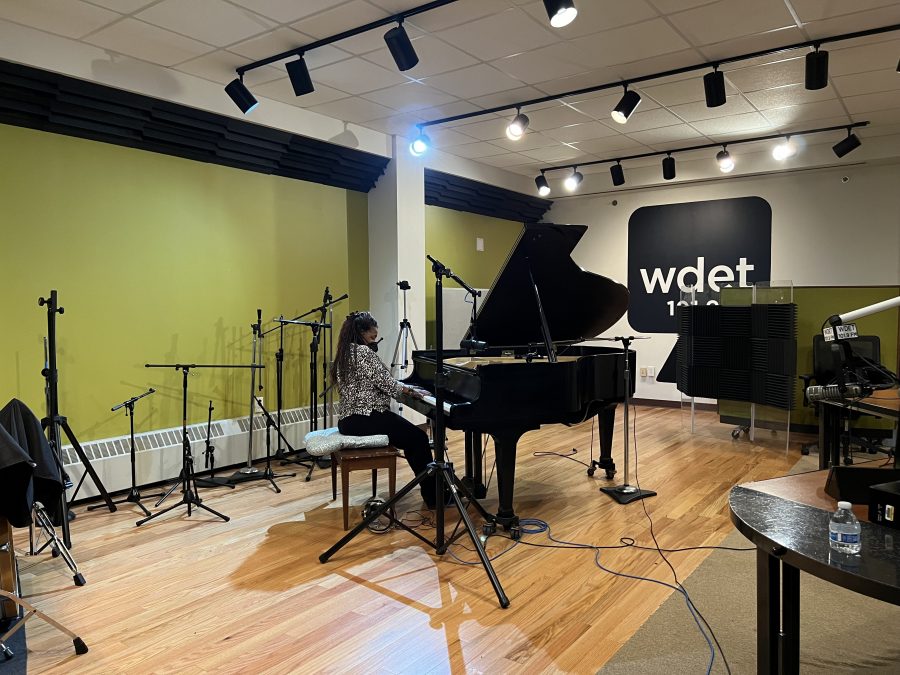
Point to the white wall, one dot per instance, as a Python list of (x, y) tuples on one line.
[(825, 231)]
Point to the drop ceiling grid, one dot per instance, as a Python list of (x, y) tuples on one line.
[(482, 53)]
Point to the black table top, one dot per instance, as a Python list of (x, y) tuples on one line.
[(798, 534)]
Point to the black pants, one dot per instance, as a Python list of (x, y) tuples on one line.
[(403, 434)]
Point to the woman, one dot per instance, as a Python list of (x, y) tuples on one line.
[(366, 387)]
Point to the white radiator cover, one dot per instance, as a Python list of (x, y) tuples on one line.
[(158, 453)]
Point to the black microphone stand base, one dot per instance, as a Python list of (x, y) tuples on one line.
[(214, 482), (133, 497), (625, 494), (189, 499), (445, 482)]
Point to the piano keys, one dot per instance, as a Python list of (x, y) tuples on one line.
[(533, 372)]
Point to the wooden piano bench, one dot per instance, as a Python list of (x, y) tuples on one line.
[(356, 459)]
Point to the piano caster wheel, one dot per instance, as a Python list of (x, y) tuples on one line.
[(590, 471), (735, 433), (307, 479), (488, 529), (515, 533), (610, 473)]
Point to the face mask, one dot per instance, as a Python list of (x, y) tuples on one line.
[(374, 346)]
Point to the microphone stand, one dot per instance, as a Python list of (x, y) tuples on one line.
[(625, 493), (190, 497), (134, 496), (250, 472), (439, 470), (209, 459)]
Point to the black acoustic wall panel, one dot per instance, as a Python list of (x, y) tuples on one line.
[(738, 353), (463, 194), (38, 99)]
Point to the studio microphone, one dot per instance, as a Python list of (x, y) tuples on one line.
[(832, 392)]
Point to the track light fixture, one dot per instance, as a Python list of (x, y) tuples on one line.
[(626, 105), (724, 160), (617, 173), (847, 145), (401, 47), (784, 149), (517, 127), (543, 186), (817, 69), (560, 12), (714, 88), (420, 144), (574, 180), (668, 165), (241, 96), (299, 76)]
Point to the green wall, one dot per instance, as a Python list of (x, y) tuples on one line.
[(159, 259), (450, 237)]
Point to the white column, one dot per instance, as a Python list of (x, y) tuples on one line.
[(397, 248)]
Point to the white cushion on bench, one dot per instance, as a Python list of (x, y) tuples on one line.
[(326, 441)]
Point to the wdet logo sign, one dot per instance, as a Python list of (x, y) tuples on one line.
[(708, 245)]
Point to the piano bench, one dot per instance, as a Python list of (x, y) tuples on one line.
[(356, 459)]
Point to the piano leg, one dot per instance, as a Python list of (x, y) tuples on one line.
[(474, 480), (606, 419), (505, 452)]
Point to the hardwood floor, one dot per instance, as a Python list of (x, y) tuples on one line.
[(198, 595)]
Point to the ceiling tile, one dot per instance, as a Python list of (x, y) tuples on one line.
[(732, 124), (212, 21), (474, 150), (435, 56), (220, 65), (352, 110), (693, 112), (512, 97), (872, 82), (557, 116), (656, 64), (557, 153), (849, 23), (665, 134), (338, 19), (499, 35), (281, 90), (409, 97), (817, 124), (749, 44), (397, 125), (485, 129), (530, 141), (594, 17), (815, 10), (285, 11), (449, 110), (671, 6), (73, 19), (356, 76), (591, 78), (285, 39), (795, 114), (473, 81), (537, 66), (442, 137), (575, 133), (509, 159), (860, 105), (147, 42), (676, 93), (777, 74), (792, 94), (860, 58), (613, 145), (631, 43), (649, 119), (457, 13), (123, 6), (729, 19)]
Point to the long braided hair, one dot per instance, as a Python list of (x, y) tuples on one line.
[(351, 333)]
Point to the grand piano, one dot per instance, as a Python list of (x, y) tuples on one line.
[(532, 371)]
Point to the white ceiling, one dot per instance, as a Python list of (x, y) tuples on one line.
[(475, 54)]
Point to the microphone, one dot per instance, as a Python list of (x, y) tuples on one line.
[(474, 345), (832, 392)]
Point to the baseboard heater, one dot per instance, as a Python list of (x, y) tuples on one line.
[(158, 453)]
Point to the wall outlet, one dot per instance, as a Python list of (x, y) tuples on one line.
[(479, 243), (643, 372), (651, 371)]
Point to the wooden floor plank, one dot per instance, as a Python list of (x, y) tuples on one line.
[(199, 595)]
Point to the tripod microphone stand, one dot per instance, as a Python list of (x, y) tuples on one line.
[(54, 421), (189, 495), (625, 494), (134, 496), (440, 470), (268, 474)]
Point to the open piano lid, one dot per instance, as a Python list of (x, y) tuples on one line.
[(578, 304)]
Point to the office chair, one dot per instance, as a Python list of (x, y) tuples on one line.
[(829, 364)]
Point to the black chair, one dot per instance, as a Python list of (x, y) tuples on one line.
[(830, 362)]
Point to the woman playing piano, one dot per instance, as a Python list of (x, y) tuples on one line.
[(366, 387)]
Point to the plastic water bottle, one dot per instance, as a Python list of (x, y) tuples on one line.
[(844, 530)]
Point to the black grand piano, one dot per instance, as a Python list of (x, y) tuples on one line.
[(532, 371)]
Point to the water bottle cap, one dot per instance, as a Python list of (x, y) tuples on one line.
[(845, 505)]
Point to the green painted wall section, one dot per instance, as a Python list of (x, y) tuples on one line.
[(159, 259), (814, 306), (450, 237)]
